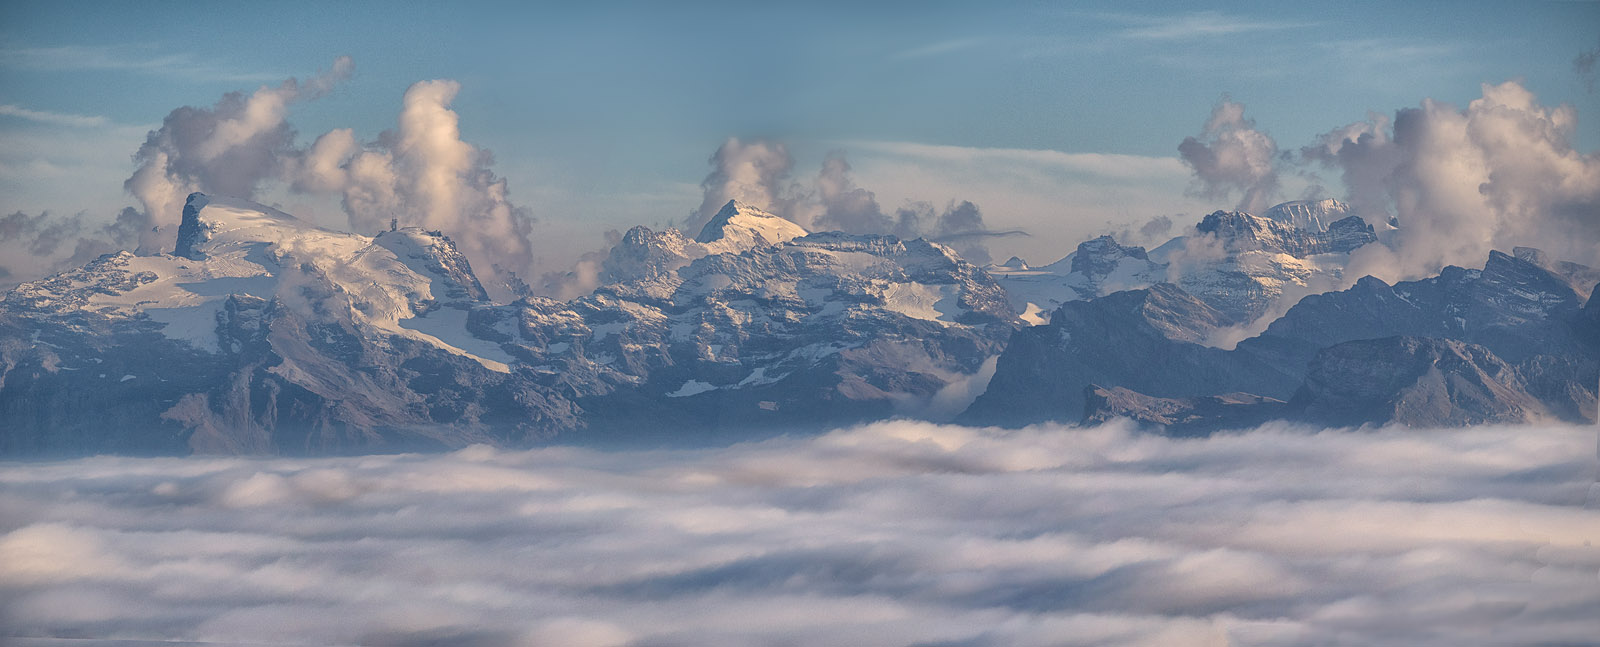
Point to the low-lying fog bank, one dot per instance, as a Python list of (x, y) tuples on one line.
[(890, 534)]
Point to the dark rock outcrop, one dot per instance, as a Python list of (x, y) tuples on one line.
[(1582, 278), (1540, 352), (1148, 341), (191, 232), (1516, 309), (1193, 416), (1099, 257), (1239, 231), (1416, 382), (823, 330)]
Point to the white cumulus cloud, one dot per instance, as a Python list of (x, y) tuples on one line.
[(1459, 182)]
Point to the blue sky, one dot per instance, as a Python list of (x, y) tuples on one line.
[(604, 115)]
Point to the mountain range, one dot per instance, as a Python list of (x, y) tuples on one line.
[(264, 334)]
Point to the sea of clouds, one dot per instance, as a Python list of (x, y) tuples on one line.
[(897, 533)]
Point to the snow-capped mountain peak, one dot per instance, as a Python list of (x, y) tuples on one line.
[(230, 248), (738, 227), (215, 225), (1100, 256), (1235, 262), (264, 333), (1242, 232), (1310, 215)]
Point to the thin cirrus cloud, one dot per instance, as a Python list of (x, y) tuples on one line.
[(52, 118), (1104, 165), (125, 58), (1054, 195), (895, 533), (940, 48), (1204, 24)]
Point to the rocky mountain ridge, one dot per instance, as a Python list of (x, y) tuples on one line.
[(263, 334), (1238, 263), (1515, 331), (270, 335)]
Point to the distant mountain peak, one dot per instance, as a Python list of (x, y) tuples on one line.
[(1014, 263), (738, 226), (1100, 256), (1240, 231), (1582, 278), (1310, 215), (214, 224)]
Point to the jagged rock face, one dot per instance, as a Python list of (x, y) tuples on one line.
[(1194, 416), (1345, 235), (1242, 264), (644, 264), (1098, 267), (1308, 215), (1523, 315), (191, 233), (1145, 340), (825, 329), (1589, 326), (1521, 312), (1580, 277), (1237, 263), (1565, 384), (1242, 232), (431, 253), (268, 336), (643, 255), (1410, 381), (1101, 256), (277, 383), (1515, 308), (275, 336), (1414, 381)]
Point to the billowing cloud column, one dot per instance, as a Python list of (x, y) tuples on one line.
[(1501, 173), (228, 149), (424, 175)]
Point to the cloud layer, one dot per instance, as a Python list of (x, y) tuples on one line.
[(894, 533)]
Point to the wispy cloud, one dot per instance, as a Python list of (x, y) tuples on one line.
[(939, 48), (1097, 164), (52, 118), (1389, 51), (1054, 195), (1204, 24), (896, 533), (133, 58)]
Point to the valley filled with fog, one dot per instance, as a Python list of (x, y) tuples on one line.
[(891, 533)]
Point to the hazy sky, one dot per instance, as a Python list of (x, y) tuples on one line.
[(604, 116)]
